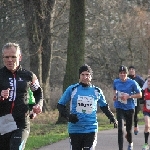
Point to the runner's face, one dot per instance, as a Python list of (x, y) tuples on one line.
[(85, 77), (132, 71), (123, 75), (11, 59)]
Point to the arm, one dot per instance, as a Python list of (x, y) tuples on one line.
[(142, 98), (137, 95), (63, 110), (114, 97), (106, 109), (38, 95)]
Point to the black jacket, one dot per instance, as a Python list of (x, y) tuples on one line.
[(18, 83)]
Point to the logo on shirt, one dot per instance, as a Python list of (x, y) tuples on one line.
[(20, 79)]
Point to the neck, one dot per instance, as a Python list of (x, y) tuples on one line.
[(124, 79), (85, 84)]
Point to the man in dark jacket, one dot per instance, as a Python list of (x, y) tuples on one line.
[(14, 109), (140, 81)]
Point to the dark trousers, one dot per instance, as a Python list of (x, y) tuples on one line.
[(121, 116), (136, 116), (85, 141), (137, 109)]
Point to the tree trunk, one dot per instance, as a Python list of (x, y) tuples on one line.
[(38, 16)]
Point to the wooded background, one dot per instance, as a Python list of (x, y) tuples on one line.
[(108, 33)]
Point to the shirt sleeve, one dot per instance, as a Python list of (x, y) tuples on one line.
[(102, 101), (145, 85), (66, 96)]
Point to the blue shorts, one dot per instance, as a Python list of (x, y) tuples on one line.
[(146, 113)]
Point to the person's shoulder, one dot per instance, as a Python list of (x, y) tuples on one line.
[(117, 80), (129, 80), (96, 88), (26, 73), (1, 69), (73, 86), (23, 70), (139, 77)]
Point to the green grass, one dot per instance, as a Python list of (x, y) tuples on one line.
[(44, 131)]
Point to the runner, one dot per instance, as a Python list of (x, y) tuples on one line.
[(140, 81), (125, 90), (83, 98)]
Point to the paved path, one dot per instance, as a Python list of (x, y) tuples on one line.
[(107, 140)]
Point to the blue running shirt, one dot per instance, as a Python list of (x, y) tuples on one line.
[(83, 102)]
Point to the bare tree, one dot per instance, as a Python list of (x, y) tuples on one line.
[(38, 16)]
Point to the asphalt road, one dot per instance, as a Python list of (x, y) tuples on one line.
[(106, 140)]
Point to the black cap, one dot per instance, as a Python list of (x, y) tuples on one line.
[(123, 68), (131, 67), (85, 67)]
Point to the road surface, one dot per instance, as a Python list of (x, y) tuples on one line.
[(106, 140)]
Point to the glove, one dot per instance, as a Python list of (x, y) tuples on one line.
[(114, 121), (63, 111), (73, 118)]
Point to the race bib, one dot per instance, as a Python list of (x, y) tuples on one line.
[(119, 97), (7, 124), (135, 101), (148, 104), (85, 104)]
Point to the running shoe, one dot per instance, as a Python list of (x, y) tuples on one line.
[(136, 130), (145, 147), (130, 147)]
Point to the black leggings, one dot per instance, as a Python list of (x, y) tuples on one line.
[(121, 116), (136, 117), (137, 109), (87, 141)]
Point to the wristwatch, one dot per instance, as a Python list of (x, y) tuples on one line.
[(130, 96)]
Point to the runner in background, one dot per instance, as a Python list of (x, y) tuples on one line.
[(125, 91), (146, 113), (132, 75)]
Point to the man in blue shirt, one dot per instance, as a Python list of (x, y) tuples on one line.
[(82, 118), (125, 90)]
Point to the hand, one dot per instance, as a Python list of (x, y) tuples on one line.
[(124, 96), (5, 94), (32, 115), (73, 118), (37, 109), (114, 121)]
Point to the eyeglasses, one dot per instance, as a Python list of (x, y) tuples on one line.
[(7, 57)]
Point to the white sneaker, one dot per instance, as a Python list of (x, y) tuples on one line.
[(130, 146)]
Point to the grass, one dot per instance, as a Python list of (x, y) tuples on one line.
[(45, 131)]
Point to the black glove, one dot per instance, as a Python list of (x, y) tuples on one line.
[(114, 121), (73, 118), (63, 111)]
